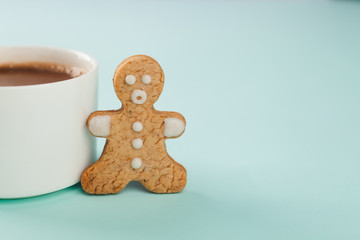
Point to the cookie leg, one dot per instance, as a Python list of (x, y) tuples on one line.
[(103, 177), (168, 179)]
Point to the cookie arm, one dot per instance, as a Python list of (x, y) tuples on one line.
[(174, 125), (99, 123)]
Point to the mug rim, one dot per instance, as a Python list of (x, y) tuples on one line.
[(84, 57)]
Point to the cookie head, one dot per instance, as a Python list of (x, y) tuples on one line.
[(138, 80)]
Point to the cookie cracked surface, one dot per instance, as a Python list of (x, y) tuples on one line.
[(135, 134)]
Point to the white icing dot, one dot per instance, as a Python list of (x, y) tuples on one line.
[(137, 143), (130, 79), (137, 126), (146, 79), (138, 96), (136, 163), (100, 125), (173, 127)]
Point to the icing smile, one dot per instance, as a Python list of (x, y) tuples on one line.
[(138, 96)]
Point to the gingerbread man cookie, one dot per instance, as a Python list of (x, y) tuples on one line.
[(135, 134)]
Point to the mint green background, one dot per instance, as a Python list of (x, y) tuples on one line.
[(270, 91)]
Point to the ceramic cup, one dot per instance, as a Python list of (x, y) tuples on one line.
[(44, 143)]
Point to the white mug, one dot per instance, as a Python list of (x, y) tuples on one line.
[(44, 142)]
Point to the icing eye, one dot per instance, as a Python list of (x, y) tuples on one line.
[(130, 79), (146, 79)]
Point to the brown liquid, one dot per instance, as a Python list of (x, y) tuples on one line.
[(20, 74)]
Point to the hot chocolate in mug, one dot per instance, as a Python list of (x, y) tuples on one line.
[(44, 142)]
